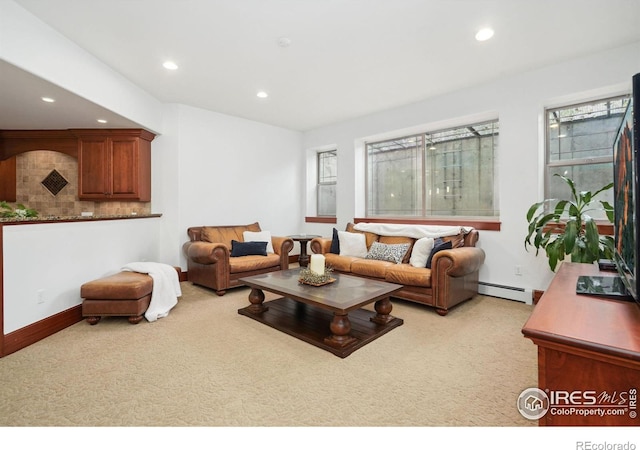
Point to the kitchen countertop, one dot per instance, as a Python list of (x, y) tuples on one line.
[(55, 219)]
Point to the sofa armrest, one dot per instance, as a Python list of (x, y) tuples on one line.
[(457, 262), (206, 252), (321, 245), (282, 245)]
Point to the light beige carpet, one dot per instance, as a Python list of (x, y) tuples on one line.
[(206, 365)]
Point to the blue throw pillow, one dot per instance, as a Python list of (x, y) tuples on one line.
[(438, 245), (335, 243), (248, 248)]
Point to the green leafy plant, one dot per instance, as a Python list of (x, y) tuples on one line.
[(20, 211), (564, 227)]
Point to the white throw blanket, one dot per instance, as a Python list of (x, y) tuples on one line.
[(166, 287), (412, 231)]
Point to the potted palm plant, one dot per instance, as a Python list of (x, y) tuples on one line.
[(565, 227)]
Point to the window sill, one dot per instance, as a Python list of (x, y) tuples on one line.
[(491, 225), (604, 228), (320, 220)]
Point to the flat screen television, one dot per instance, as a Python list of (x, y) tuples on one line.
[(626, 193)]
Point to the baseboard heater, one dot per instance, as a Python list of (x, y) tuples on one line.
[(508, 292)]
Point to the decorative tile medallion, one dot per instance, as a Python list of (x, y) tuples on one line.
[(54, 182)]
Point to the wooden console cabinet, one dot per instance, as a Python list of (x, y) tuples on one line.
[(114, 164), (588, 353)]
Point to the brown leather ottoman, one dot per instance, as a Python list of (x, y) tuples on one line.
[(122, 294)]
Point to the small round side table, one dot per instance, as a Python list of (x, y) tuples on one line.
[(304, 239)]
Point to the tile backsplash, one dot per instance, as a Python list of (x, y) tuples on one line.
[(34, 166)]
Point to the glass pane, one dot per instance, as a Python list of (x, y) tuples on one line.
[(460, 176), (326, 200), (587, 177), (394, 181), (327, 167), (584, 131)]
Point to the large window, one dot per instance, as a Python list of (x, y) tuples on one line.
[(580, 146), (443, 173), (326, 186)]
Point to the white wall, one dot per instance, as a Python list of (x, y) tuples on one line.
[(58, 258), (234, 171), (519, 102)]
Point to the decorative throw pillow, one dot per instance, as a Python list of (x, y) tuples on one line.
[(388, 252), (421, 251), (438, 245), (248, 248), (352, 244), (335, 243), (259, 236)]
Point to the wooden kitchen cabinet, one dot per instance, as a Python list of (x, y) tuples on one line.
[(8, 180), (114, 165)]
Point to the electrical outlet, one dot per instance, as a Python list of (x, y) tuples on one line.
[(40, 296), (518, 270)]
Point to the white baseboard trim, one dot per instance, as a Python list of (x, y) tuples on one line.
[(508, 292)]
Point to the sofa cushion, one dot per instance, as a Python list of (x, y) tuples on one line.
[(248, 248), (352, 244), (371, 268), (225, 234), (399, 240), (370, 238), (457, 240), (408, 275), (388, 252), (253, 262), (339, 263), (421, 251), (259, 236), (438, 245), (335, 243)]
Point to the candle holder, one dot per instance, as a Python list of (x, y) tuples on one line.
[(308, 276)]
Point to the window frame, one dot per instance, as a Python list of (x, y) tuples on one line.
[(320, 183), (425, 138), (549, 165)]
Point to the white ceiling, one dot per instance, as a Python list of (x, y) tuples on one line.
[(347, 58)]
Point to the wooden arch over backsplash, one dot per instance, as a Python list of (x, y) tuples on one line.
[(14, 142)]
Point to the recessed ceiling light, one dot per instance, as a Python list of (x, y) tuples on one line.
[(484, 34), (262, 94), (101, 121), (284, 42), (170, 65), (48, 99)]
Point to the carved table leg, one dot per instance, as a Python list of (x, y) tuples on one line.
[(383, 309), (256, 298), (340, 327)]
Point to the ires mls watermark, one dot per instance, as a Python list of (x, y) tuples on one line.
[(534, 403)]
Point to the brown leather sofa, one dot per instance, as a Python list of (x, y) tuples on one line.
[(209, 260), (452, 278)]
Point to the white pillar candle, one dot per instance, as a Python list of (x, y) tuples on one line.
[(317, 264)]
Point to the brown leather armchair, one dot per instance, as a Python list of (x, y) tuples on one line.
[(209, 260)]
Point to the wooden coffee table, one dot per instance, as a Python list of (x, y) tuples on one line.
[(329, 316)]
